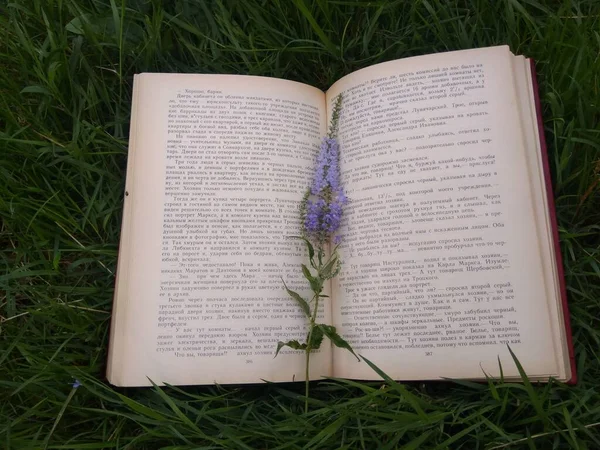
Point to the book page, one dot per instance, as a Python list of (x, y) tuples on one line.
[(221, 164), (441, 252)]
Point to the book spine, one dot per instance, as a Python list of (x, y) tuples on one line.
[(554, 224)]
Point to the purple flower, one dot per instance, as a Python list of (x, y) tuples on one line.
[(76, 384), (327, 173), (314, 215), (332, 217), (324, 213)]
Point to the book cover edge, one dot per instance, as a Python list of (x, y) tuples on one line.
[(554, 225)]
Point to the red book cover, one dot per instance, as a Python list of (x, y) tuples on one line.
[(553, 222)]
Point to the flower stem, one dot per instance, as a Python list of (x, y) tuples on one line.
[(307, 380), (313, 319)]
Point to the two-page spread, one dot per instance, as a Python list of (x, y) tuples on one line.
[(449, 242)]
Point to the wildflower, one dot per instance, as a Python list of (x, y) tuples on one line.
[(323, 215)]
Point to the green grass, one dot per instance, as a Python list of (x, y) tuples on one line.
[(66, 71)]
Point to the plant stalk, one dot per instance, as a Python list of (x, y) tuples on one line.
[(313, 319)]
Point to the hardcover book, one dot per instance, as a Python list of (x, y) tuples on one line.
[(450, 244)]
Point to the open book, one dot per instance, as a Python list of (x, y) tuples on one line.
[(450, 245)]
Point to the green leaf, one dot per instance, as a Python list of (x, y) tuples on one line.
[(326, 433), (315, 339), (535, 400), (501, 370), (141, 409), (76, 25), (306, 272), (457, 436), (292, 344), (303, 304), (35, 90), (315, 26), (416, 443), (336, 339), (315, 284), (337, 270), (492, 387), (309, 246), (330, 268), (414, 401)]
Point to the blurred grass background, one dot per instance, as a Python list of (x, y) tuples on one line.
[(66, 69)]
